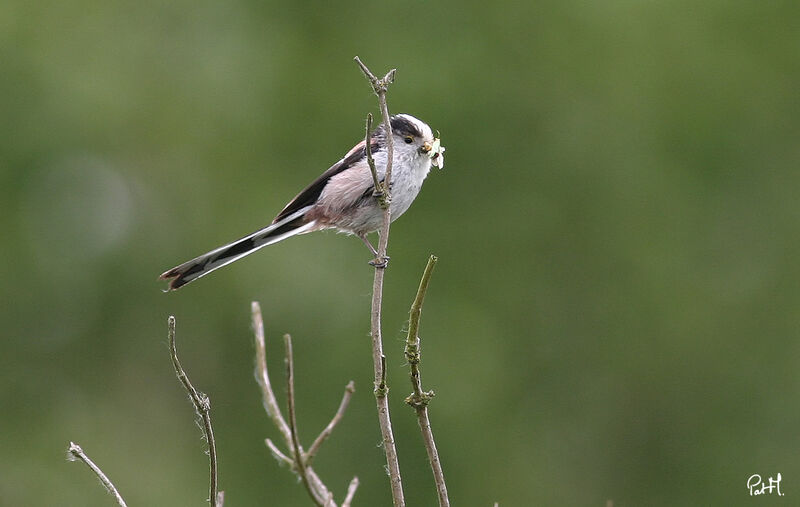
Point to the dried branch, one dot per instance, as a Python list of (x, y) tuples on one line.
[(202, 406), (351, 491), (262, 377), (75, 453), (349, 389), (419, 399), (300, 462), (296, 450), (279, 455), (380, 86)]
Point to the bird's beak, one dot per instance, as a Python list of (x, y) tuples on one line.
[(427, 147)]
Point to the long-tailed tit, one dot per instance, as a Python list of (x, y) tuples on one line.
[(341, 198)]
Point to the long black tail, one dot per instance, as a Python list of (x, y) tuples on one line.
[(200, 266)]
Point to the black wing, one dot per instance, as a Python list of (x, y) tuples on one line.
[(311, 193)]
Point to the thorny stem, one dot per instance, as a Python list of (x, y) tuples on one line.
[(379, 86), (202, 406), (76, 453), (419, 399)]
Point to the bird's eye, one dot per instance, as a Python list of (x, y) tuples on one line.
[(408, 139)]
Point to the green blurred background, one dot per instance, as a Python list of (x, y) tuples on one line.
[(614, 313)]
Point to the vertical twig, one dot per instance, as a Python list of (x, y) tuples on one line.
[(379, 86), (290, 402), (202, 406), (76, 453), (419, 399), (378, 190), (262, 376)]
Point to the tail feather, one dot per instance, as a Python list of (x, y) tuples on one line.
[(200, 266)]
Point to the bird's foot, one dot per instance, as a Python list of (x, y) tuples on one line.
[(380, 262)]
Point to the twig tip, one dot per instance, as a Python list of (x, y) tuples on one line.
[(73, 451)]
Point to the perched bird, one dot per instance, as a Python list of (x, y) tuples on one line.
[(341, 198)]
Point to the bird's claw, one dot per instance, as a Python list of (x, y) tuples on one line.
[(380, 262)]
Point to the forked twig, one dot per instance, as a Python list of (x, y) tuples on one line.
[(380, 86), (202, 406), (75, 453), (300, 462)]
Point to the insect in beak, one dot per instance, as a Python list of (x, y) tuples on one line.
[(436, 153)]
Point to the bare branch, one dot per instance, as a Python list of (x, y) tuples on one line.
[(300, 465), (412, 338), (378, 191), (379, 86), (433, 454), (262, 377), (280, 456), (202, 406), (296, 449), (76, 453), (419, 399), (349, 389), (351, 491), (319, 486)]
